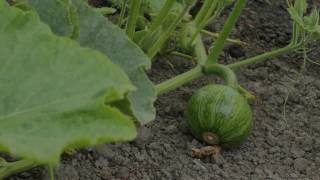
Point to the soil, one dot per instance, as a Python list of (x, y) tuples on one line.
[(279, 147)]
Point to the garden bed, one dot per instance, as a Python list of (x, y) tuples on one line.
[(280, 147)]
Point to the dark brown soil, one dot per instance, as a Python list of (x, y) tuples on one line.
[(278, 148)]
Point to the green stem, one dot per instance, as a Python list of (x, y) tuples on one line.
[(51, 172), (105, 11), (200, 25), (186, 56), (231, 21), (264, 56), (200, 51), (203, 12), (216, 35), (246, 93), (159, 43), (16, 167), (122, 13), (133, 17), (157, 22), (179, 80), (162, 14), (186, 77), (223, 71)]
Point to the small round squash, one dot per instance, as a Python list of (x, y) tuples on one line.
[(219, 114)]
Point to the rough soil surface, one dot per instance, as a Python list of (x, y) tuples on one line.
[(278, 148)]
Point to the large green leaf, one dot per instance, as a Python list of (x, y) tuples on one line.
[(93, 30), (53, 92)]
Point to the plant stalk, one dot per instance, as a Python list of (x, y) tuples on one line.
[(122, 13), (133, 17), (179, 80), (159, 19), (203, 12), (188, 76), (224, 72), (197, 72), (231, 21), (162, 14), (202, 23), (216, 35), (264, 56), (152, 52)]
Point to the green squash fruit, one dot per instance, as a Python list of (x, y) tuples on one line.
[(219, 114)]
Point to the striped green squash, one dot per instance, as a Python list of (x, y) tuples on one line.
[(219, 114)]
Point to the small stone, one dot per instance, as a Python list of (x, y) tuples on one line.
[(307, 143), (101, 162), (171, 129), (216, 168), (294, 175), (261, 154), (275, 177), (186, 177), (268, 172), (66, 172), (195, 143), (123, 173), (301, 164), (288, 161), (275, 149), (199, 164), (139, 157), (309, 171), (297, 153), (271, 140), (258, 171), (218, 159), (154, 145), (167, 147), (237, 157), (105, 151)]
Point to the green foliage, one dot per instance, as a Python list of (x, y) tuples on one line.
[(93, 30), (306, 28), (66, 75), (55, 94)]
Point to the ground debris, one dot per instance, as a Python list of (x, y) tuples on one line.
[(206, 151)]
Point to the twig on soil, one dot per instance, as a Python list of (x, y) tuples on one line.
[(206, 151)]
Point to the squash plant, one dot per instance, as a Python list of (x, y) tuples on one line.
[(70, 78)]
